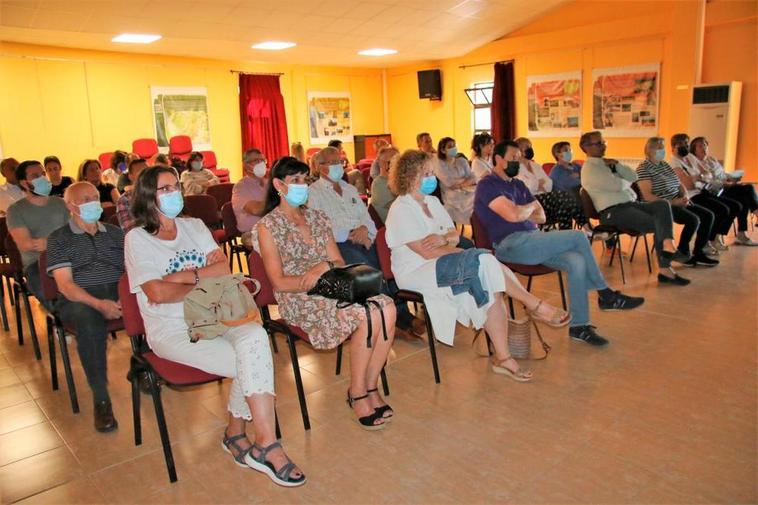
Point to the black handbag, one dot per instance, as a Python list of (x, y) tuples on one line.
[(354, 283)]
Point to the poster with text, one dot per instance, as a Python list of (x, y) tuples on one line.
[(554, 104), (329, 116), (625, 100), (181, 111)]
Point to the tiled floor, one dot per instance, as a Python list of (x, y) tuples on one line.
[(665, 414)]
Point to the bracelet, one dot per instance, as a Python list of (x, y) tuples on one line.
[(197, 277)]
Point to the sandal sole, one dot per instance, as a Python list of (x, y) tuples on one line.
[(259, 467), (504, 371), (242, 465)]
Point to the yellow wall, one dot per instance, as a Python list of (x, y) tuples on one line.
[(77, 104), (569, 39)]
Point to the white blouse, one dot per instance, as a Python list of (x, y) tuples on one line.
[(481, 167), (531, 174)]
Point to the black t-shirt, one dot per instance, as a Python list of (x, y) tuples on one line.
[(58, 189), (105, 190)]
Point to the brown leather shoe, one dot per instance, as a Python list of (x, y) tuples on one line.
[(105, 421), (418, 326)]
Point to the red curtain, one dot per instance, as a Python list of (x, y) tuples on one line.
[(264, 125), (503, 103)]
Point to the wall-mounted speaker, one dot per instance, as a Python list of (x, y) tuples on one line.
[(430, 84)]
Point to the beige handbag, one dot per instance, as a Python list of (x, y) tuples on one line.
[(218, 303), (519, 339)]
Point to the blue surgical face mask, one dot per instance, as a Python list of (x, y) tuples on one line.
[(121, 167), (171, 204), (90, 212), (567, 156), (336, 171), (196, 165), (42, 185), (297, 194), (660, 154), (428, 184), (452, 152)]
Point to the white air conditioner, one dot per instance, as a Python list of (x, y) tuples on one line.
[(715, 115)]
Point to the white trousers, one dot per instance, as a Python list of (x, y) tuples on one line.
[(242, 353)]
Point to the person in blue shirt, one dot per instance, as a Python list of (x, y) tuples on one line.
[(566, 175)]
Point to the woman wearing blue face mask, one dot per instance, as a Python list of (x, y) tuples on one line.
[(297, 246), (658, 181), (196, 179), (166, 256), (456, 181), (426, 257)]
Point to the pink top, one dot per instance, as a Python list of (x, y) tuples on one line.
[(245, 190)]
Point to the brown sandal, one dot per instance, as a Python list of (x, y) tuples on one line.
[(498, 366), (559, 320)]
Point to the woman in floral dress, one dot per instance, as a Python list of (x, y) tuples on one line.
[(297, 246)]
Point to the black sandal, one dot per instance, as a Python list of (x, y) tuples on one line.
[(239, 459), (380, 411), (281, 476), (366, 422)]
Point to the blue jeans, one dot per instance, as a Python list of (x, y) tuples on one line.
[(565, 250)]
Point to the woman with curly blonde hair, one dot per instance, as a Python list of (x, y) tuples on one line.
[(464, 286)]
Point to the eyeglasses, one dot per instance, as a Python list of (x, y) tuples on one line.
[(168, 188)]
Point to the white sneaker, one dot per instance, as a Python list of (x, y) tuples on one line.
[(743, 239), (719, 244), (710, 250)]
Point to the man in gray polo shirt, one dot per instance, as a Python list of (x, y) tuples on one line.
[(33, 218), (86, 258)]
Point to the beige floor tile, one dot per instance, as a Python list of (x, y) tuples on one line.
[(81, 490), (38, 473), (13, 395), (20, 416), (27, 442)]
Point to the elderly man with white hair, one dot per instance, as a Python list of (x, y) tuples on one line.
[(86, 258)]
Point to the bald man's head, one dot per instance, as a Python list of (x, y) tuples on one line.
[(81, 192)]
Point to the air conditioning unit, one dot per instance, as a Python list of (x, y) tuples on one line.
[(715, 115)]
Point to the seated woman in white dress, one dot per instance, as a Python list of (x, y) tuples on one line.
[(456, 181), (481, 146), (419, 233)]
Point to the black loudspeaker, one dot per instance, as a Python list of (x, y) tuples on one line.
[(430, 84)]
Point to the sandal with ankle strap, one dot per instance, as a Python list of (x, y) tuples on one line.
[(559, 320), (282, 476), (368, 422), (239, 458), (384, 409), (498, 366)]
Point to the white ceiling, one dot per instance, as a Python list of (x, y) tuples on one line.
[(327, 32)]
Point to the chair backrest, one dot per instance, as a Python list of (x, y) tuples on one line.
[(366, 174), (108, 212), (105, 160), (589, 208), (313, 150), (547, 167), (479, 233), (578, 162), (144, 148), (209, 159), (221, 192), (265, 296), (384, 254), (202, 207), (114, 220), (375, 217), (222, 174), (47, 282), (14, 255), (180, 146), (133, 323), (364, 163), (229, 221)]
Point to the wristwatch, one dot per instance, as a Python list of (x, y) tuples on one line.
[(197, 277)]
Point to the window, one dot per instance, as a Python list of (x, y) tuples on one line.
[(480, 96)]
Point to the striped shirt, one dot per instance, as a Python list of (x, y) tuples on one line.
[(94, 260), (663, 178)]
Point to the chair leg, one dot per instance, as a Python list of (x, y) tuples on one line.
[(239, 260), (385, 383), (19, 326), (134, 373), (432, 350), (529, 283), (231, 260), (339, 360), (647, 253), (621, 260), (2, 307), (51, 352), (616, 245), (634, 248), (563, 291), (276, 425), (67, 369), (32, 329), (155, 392), (511, 309), (11, 296), (298, 382), (113, 335), (489, 343)]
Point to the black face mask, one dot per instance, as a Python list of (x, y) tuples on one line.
[(682, 151), (529, 153), (512, 168)]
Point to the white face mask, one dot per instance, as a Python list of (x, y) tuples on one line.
[(259, 169)]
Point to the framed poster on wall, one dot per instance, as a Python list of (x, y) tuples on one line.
[(329, 116), (554, 103), (625, 100), (181, 111)]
